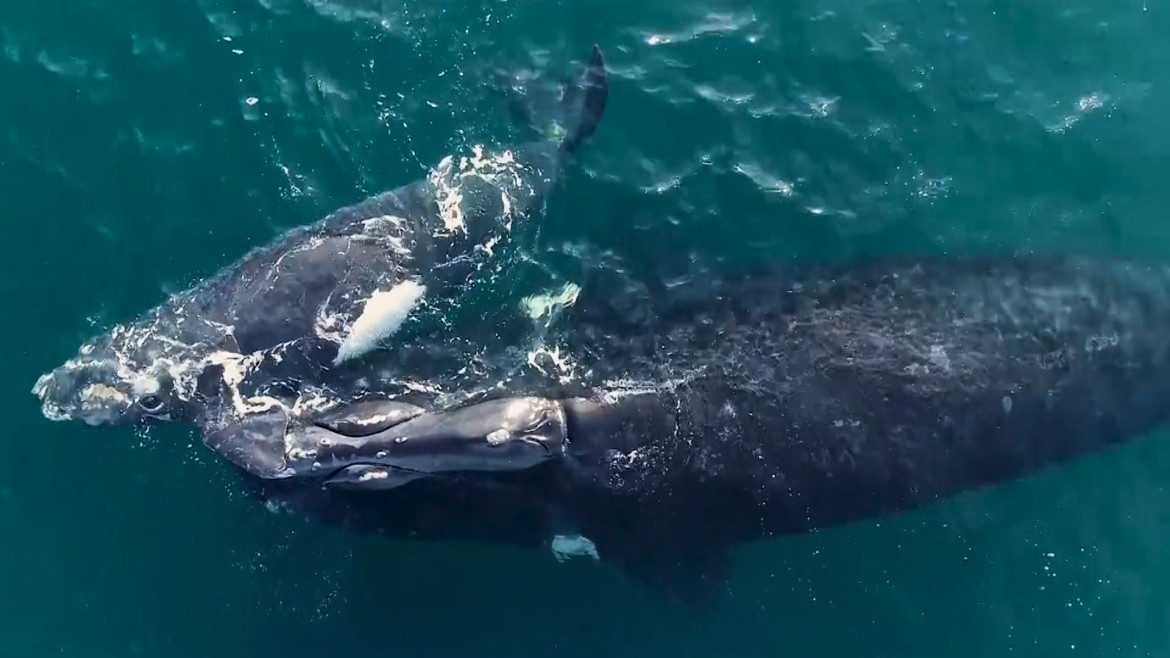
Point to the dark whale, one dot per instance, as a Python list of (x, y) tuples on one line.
[(272, 329), (744, 407)]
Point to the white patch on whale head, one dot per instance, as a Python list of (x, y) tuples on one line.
[(383, 313)]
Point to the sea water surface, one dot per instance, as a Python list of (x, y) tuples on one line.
[(147, 143)]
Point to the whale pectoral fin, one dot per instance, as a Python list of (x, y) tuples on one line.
[(254, 443), (583, 103), (694, 581), (573, 106)]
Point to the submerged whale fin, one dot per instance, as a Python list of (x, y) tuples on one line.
[(694, 581), (583, 103), (573, 107)]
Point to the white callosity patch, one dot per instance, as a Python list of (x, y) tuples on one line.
[(102, 393), (96, 402), (498, 437), (383, 313), (373, 477), (374, 474), (567, 547), (376, 419)]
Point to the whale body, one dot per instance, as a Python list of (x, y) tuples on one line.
[(744, 407)]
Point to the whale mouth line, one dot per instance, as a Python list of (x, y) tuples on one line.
[(330, 475)]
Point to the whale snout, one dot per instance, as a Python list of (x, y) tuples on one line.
[(85, 391), (99, 391)]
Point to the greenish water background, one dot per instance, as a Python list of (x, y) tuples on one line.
[(132, 164)]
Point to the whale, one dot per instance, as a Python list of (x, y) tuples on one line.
[(736, 408), (320, 301)]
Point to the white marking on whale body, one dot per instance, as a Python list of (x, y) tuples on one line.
[(566, 547), (383, 313)]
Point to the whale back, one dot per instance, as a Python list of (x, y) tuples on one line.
[(816, 396)]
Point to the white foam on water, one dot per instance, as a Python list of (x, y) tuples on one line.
[(500, 170), (545, 307)]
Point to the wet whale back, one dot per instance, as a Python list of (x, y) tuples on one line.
[(829, 394), (277, 293)]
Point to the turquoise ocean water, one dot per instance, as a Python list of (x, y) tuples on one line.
[(147, 143)]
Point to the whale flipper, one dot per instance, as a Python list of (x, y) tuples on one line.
[(583, 103), (574, 106)]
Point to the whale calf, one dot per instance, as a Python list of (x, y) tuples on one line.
[(753, 406), (319, 299)]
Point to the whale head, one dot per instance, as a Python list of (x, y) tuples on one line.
[(104, 391), (134, 373)]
